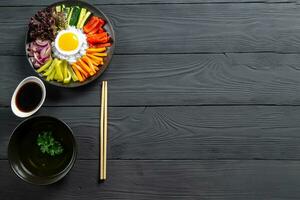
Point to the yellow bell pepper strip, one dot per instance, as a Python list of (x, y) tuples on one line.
[(48, 78), (52, 67), (67, 74), (51, 76), (67, 79), (55, 77), (64, 68), (59, 74), (45, 66), (73, 75)]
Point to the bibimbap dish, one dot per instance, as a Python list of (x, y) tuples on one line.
[(69, 43)]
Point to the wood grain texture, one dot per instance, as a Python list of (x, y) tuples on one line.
[(188, 79), (209, 132), (258, 180), (31, 3), (182, 28)]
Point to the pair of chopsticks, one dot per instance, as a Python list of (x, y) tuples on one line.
[(103, 132)]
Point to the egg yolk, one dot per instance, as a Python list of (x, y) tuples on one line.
[(68, 42)]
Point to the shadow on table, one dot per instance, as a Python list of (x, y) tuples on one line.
[(15, 188)]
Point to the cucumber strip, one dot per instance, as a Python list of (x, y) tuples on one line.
[(69, 15), (81, 16), (75, 16), (84, 19), (66, 10)]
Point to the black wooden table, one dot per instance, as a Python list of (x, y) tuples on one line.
[(204, 102)]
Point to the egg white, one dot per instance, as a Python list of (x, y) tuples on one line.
[(73, 56)]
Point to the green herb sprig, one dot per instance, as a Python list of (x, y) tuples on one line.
[(48, 145)]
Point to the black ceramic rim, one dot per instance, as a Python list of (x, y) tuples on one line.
[(109, 28), (59, 175)]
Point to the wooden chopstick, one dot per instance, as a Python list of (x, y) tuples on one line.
[(103, 131)]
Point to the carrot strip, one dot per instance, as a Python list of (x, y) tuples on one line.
[(85, 67), (100, 54), (99, 59), (80, 69), (77, 73), (89, 62), (94, 62), (94, 50), (83, 76)]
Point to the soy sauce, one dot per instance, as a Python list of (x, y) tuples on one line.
[(28, 97)]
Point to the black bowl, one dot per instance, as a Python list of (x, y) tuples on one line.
[(108, 27), (29, 162)]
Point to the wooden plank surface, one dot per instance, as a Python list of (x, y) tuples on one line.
[(209, 132), (204, 102), (182, 28), (143, 80), (246, 180)]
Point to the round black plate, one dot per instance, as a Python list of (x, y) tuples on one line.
[(108, 27), (26, 158)]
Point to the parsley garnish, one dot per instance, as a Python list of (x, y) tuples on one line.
[(48, 145)]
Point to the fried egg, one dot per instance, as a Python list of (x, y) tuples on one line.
[(70, 44)]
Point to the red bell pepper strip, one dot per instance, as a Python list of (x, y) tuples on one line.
[(93, 23), (102, 45), (98, 38), (92, 32), (101, 30), (98, 29), (102, 22)]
